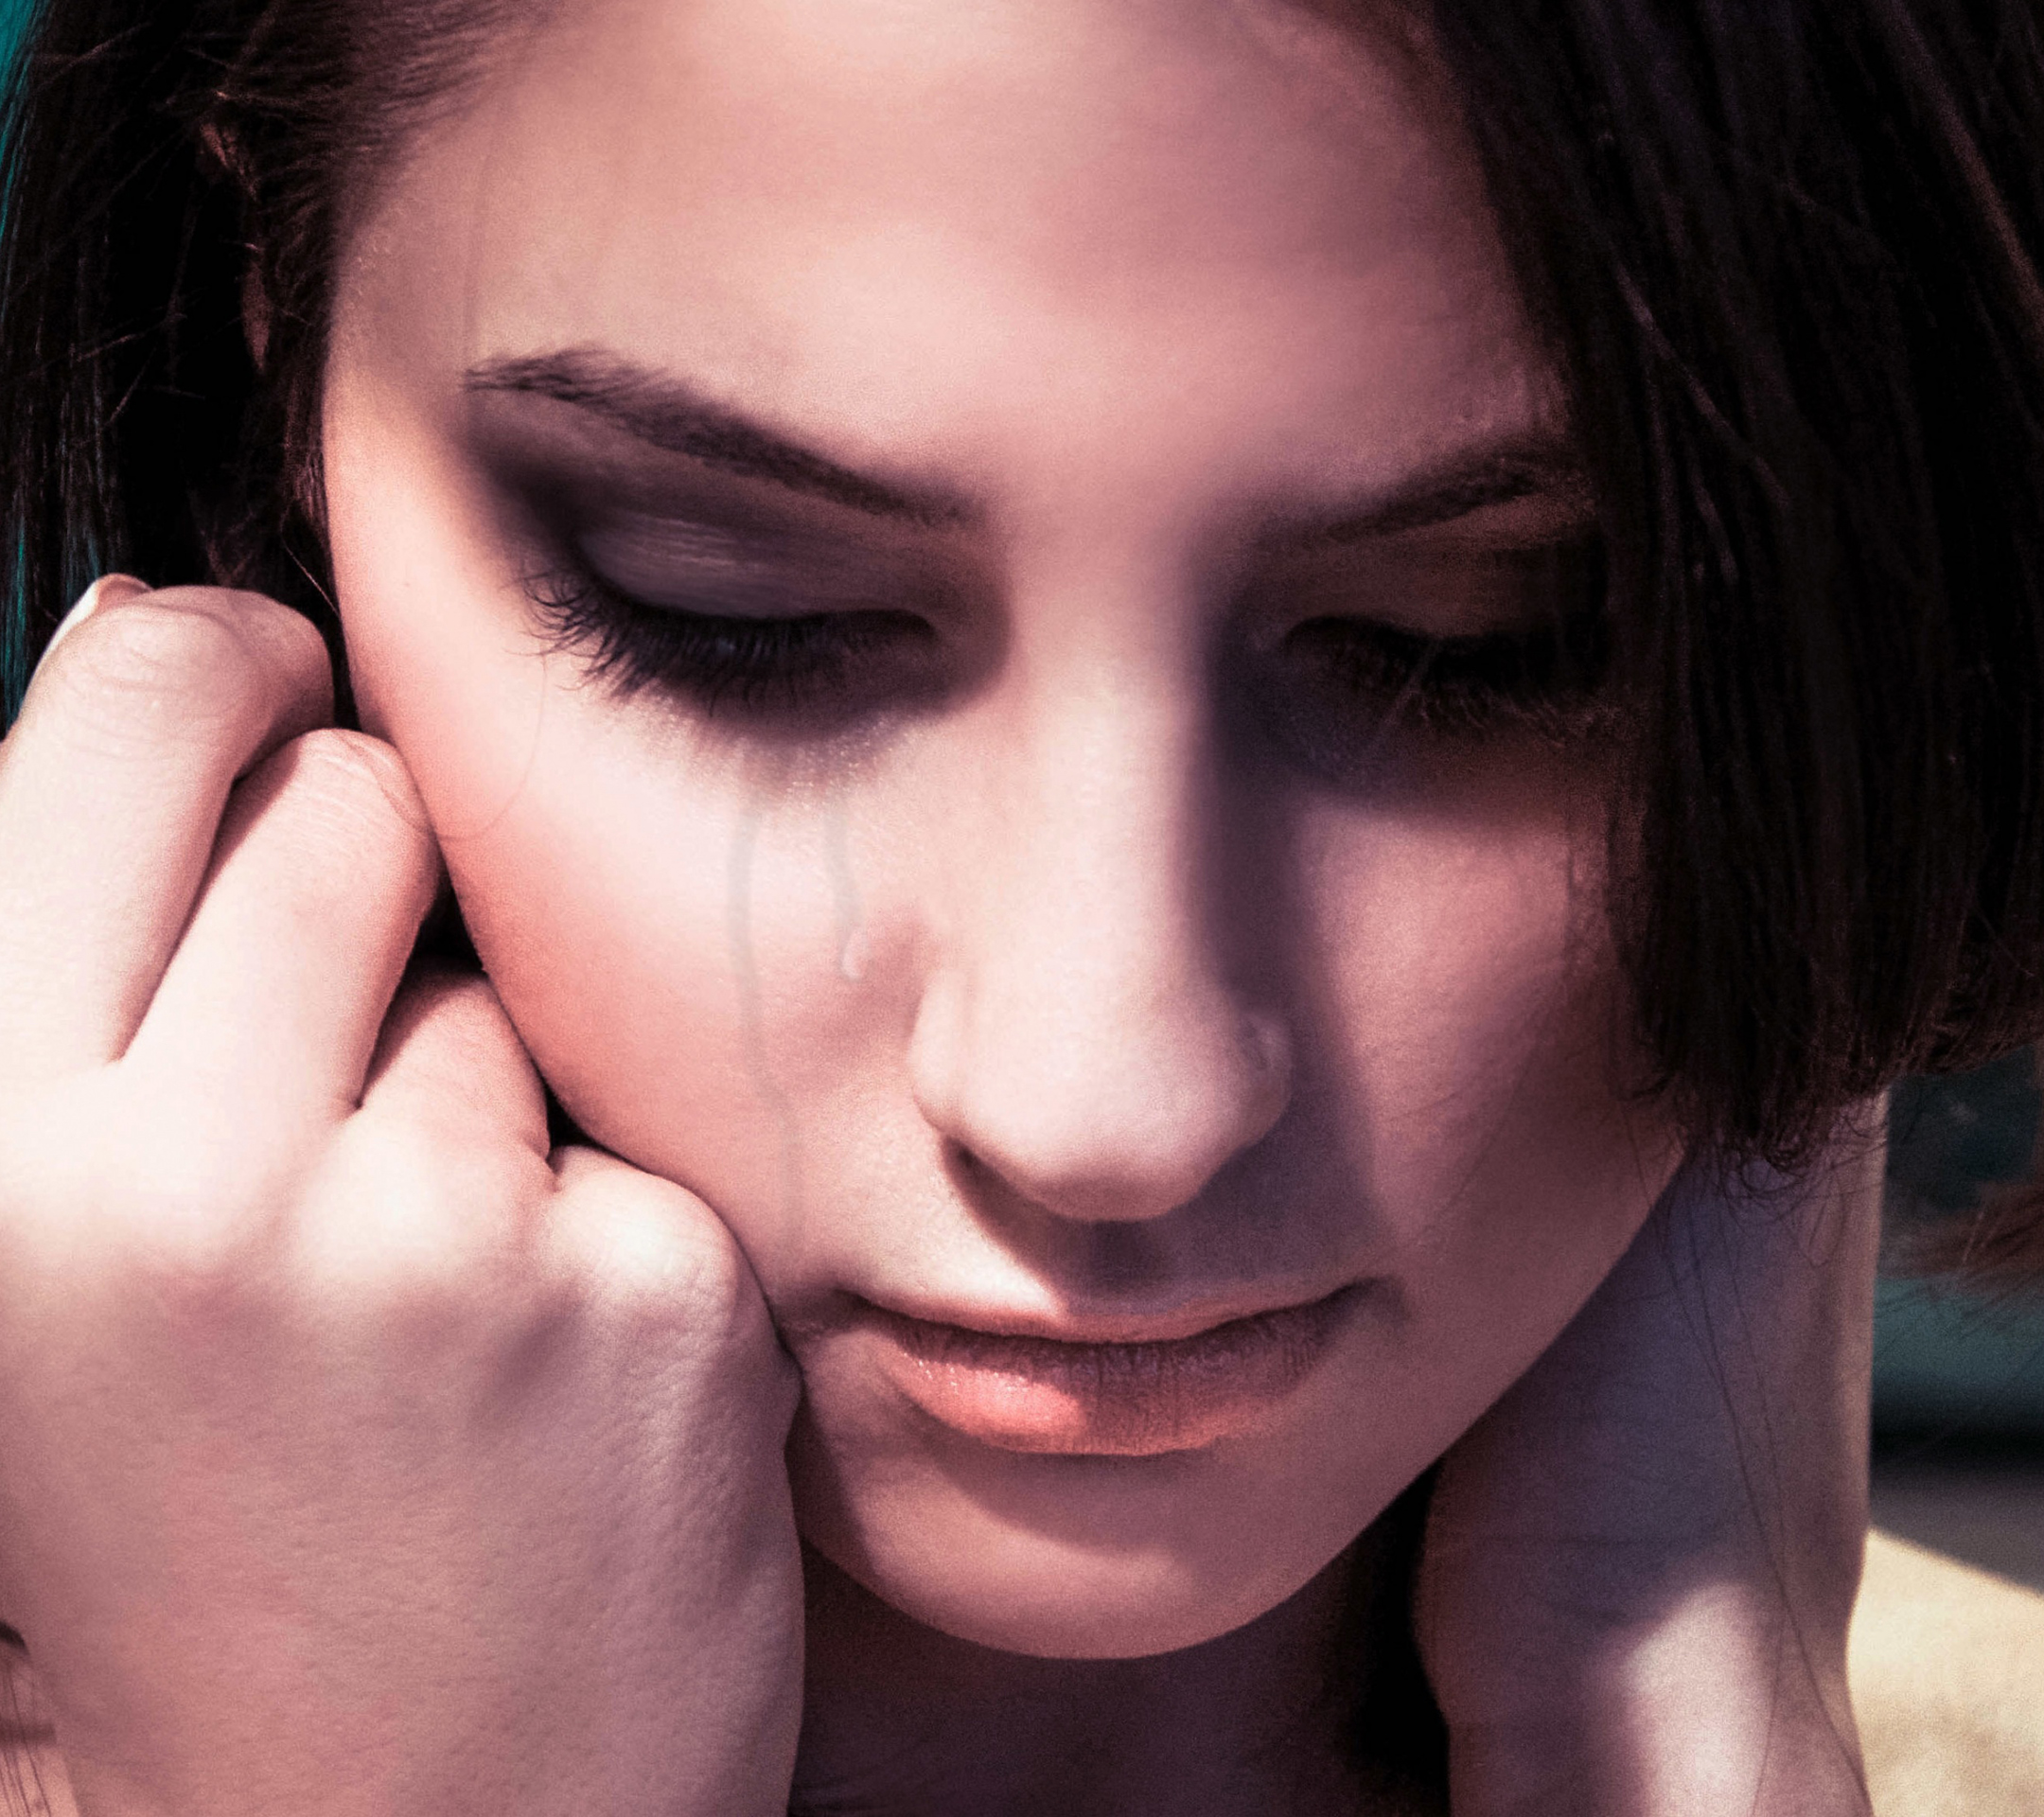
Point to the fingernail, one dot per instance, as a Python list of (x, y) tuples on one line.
[(109, 589)]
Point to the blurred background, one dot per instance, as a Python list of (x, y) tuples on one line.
[(1958, 1369)]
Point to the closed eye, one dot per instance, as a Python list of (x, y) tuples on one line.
[(795, 664), (1544, 678)]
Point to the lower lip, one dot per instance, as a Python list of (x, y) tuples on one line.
[(1043, 1395)]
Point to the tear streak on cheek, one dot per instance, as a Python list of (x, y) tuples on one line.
[(740, 933)]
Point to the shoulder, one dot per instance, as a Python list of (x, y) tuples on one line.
[(1947, 1677)]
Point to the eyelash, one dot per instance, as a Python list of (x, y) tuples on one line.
[(764, 667), (1545, 680)]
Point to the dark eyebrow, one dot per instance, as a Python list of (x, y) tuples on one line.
[(1466, 482), (664, 414)]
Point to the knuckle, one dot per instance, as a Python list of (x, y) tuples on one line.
[(161, 648), (654, 1258), (192, 658), (660, 1255), (286, 642), (356, 791), (355, 766), (388, 1236), (179, 1234), (188, 1193), (406, 1225)]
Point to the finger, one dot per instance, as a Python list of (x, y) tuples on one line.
[(449, 1055), (654, 1248), (272, 1002), (112, 785)]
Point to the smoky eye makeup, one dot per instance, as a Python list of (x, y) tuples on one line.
[(1448, 640), (800, 633), (792, 647), (675, 587), (731, 599)]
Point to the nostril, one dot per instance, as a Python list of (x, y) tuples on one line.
[(969, 1164), (1267, 1044), (1096, 1106), (992, 1191), (1101, 1074), (1067, 1195)]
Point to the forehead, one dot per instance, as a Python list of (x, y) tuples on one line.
[(977, 235)]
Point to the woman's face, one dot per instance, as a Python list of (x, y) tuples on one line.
[(895, 539)]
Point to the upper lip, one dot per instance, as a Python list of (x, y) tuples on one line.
[(1102, 1326)]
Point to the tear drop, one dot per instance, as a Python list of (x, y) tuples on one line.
[(852, 959)]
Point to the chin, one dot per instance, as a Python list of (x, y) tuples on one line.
[(1067, 1557)]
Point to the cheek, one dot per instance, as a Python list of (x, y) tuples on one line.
[(688, 955), (679, 936), (1474, 1036), (695, 969)]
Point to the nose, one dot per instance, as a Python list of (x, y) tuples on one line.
[(1083, 1033)]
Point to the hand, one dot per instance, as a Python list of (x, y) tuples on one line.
[(360, 1455), (1640, 1566)]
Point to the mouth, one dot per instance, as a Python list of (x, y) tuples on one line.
[(1141, 1397)]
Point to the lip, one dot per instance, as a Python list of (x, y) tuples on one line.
[(1152, 1387)]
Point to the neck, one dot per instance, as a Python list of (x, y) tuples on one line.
[(900, 1721)]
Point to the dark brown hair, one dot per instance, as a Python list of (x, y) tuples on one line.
[(163, 164), (1786, 251)]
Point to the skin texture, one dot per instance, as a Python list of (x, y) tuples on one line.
[(365, 1456), (1085, 967), (1144, 1019), (1640, 1565)]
